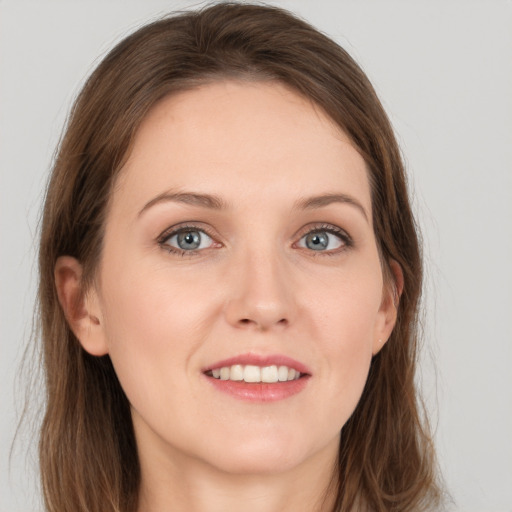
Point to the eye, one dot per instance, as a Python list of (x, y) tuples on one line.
[(324, 240), (186, 239)]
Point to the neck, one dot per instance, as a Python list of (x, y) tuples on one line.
[(177, 485)]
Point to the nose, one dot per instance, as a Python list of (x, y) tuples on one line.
[(261, 295)]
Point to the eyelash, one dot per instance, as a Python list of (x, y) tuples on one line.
[(324, 228), (333, 230), (169, 233)]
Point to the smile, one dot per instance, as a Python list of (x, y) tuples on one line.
[(254, 374), (258, 378)]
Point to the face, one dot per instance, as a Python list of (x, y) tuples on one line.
[(240, 293)]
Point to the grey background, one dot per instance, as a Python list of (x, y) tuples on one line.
[(444, 73)]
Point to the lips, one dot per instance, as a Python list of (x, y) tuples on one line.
[(258, 378)]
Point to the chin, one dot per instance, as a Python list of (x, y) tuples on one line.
[(261, 463), (261, 455)]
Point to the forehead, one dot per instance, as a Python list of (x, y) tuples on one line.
[(240, 140)]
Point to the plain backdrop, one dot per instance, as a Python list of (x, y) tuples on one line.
[(443, 70)]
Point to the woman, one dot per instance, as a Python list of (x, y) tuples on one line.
[(230, 276)]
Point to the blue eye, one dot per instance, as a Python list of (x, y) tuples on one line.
[(323, 240), (188, 239)]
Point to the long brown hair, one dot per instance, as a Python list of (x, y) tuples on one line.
[(88, 452)]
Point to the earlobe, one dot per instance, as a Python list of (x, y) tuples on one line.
[(81, 309), (389, 307)]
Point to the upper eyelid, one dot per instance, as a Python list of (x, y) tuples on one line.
[(331, 228), (178, 228)]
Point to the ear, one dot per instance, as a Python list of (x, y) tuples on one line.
[(389, 306), (81, 309)]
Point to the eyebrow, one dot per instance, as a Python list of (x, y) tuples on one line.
[(217, 203), (327, 199), (193, 199)]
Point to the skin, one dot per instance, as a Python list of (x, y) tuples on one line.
[(253, 287)]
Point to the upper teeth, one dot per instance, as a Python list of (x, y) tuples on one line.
[(250, 373)]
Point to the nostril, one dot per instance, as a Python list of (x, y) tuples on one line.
[(262, 323), (248, 321)]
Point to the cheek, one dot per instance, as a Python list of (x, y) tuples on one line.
[(153, 324), (345, 332), (148, 305), (347, 310)]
